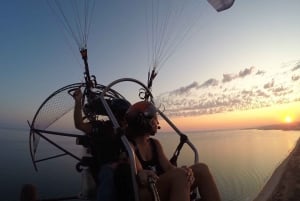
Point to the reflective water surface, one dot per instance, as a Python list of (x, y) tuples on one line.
[(240, 160)]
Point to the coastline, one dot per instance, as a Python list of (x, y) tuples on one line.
[(284, 184)]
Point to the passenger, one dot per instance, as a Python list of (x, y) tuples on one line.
[(105, 144), (173, 184)]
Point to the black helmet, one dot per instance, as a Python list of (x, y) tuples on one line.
[(95, 107), (119, 106)]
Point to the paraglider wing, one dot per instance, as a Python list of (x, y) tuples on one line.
[(221, 5)]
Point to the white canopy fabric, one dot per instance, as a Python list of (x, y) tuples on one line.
[(221, 5)]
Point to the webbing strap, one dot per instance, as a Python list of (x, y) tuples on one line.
[(183, 139), (153, 188)]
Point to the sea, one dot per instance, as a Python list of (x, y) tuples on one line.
[(241, 161)]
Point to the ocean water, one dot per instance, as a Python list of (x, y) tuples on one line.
[(241, 161)]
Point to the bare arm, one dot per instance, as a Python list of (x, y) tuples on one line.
[(167, 165), (142, 175), (78, 119), (163, 160)]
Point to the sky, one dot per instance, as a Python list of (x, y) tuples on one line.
[(232, 69)]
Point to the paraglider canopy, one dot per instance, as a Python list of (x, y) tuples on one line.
[(170, 21), (221, 5)]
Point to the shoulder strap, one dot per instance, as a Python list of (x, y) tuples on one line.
[(136, 150), (155, 158), (154, 148)]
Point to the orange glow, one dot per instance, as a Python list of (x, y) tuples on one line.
[(288, 119), (240, 119)]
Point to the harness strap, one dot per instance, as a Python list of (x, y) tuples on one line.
[(183, 139)]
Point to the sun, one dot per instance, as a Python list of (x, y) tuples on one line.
[(288, 119)]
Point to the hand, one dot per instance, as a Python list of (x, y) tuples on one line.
[(77, 95), (143, 176), (189, 174)]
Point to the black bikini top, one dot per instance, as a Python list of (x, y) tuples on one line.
[(152, 164)]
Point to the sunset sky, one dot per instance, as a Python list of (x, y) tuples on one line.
[(232, 69)]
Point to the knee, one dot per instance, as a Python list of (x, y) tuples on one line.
[(201, 167), (200, 170), (179, 175)]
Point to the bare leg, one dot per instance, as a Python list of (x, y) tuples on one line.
[(205, 183), (171, 186)]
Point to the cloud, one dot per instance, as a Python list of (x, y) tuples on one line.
[(185, 90), (281, 91), (269, 84), (246, 72), (260, 72), (296, 67), (241, 74), (244, 90), (295, 77), (261, 93), (210, 82), (228, 77)]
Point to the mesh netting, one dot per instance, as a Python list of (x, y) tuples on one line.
[(56, 106)]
